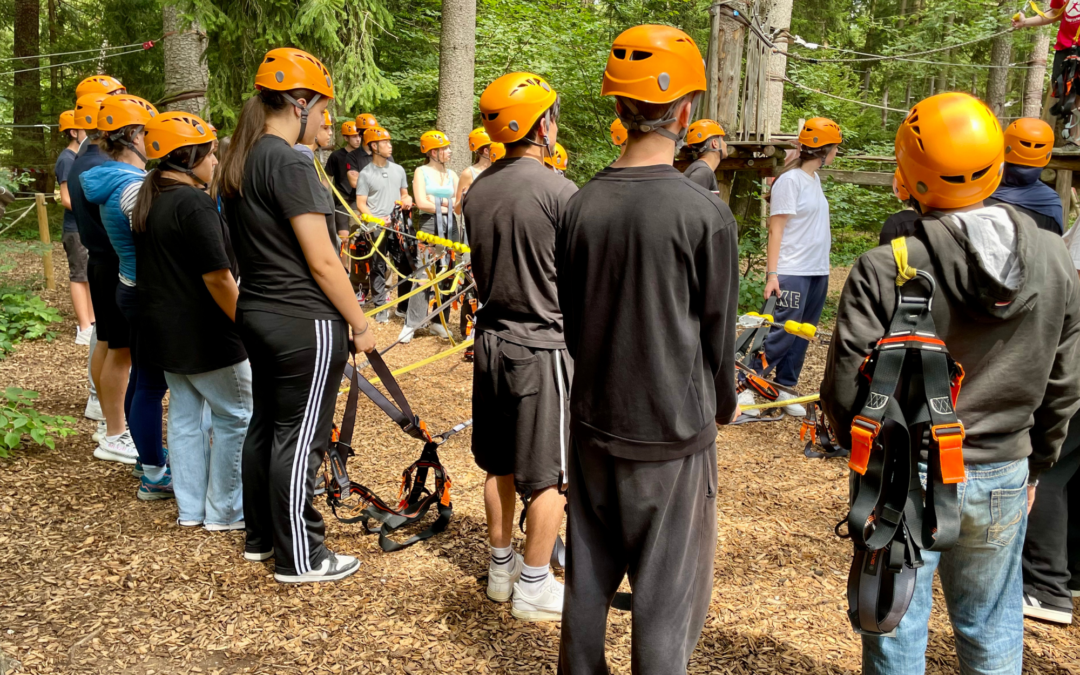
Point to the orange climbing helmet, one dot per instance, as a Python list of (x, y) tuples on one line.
[(655, 64), (86, 111), (67, 120), (365, 121), (176, 129), (432, 140), (703, 130), (348, 128), (559, 159), (478, 138), (498, 151), (285, 69), (375, 134), (511, 105), (898, 188), (99, 84), (124, 110), (327, 119), (618, 132), (950, 151), (819, 131), (1029, 142)]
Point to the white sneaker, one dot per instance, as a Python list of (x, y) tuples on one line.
[(258, 556), (501, 582), (438, 330), (406, 334), (795, 409), (93, 409), (188, 523), (334, 568), (544, 606), (117, 449), (82, 337), (1039, 610), (219, 527), (747, 398), (99, 433)]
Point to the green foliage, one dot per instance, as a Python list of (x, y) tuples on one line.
[(24, 317), (857, 215), (19, 423)]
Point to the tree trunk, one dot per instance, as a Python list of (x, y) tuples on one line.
[(779, 20), (942, 83), (186, 72), (712, 64), (28, 143), (457, 60), (732, 40), (998, 79), (54, 73), (902, 13), (1033, 86)]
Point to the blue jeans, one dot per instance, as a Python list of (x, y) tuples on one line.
[(801, 299), (981, 578), (146, 388), (205, 475)]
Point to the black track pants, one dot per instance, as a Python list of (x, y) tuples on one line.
[(296, 368), (654, 522)]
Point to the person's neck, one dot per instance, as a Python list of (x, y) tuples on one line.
[(647, 150), (482, 163), (74, 145), (712, 158), (380, 161), (128, 156), (811, 166), (283, 129), (181, 178), (437, 165), (528, 150)]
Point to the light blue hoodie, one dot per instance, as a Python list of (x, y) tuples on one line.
[(105, 185)]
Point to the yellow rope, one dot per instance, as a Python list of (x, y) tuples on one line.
[(778, 404), (430, 359), (904, 272), (413, 292)]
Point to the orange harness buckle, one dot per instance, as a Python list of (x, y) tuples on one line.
[(950, 439), (863, 432)]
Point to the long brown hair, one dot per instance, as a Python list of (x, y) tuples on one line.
[(156, 181), (806, 155), (229, 177)]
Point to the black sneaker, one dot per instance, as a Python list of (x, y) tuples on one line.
[(334, 568), (1035, 609)]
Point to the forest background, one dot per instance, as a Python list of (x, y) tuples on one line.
[(385, 56)]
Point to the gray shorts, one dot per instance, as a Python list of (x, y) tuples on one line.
[(521, 416), (77, 257)]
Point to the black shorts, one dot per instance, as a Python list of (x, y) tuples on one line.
[(1055, 70), (342, 220), (521, 416), (77, 257), (112, 327)]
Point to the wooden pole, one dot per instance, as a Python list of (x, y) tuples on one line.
[(43, 233), (1064, 190), (731, 39), (712, 64)]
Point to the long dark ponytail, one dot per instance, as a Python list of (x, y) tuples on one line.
[(156, 181)]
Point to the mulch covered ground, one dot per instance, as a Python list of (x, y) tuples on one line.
[(94, 581)]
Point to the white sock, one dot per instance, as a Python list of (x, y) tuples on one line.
[(502, 558), (154, 473), (533, 577), (113, 439)]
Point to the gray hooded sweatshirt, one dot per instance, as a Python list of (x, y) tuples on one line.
[(1008, 308)]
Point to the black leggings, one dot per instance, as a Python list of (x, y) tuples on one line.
[(296, 368)]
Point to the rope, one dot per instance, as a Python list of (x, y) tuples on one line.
[(798, 41), (779, 404), (68, 63), (841, 98), (449, 352), (418, 289), (96, 50), (21, 215), (897, 57)]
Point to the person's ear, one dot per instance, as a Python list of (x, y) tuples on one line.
[(683, 115)]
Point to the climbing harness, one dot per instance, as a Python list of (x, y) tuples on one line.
[(354, 503), (749, 349), (817, 434), (908, 407)]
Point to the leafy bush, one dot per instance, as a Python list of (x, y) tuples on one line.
[(18, 419), (24, 317)]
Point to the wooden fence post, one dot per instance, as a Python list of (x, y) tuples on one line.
[(43, 233)]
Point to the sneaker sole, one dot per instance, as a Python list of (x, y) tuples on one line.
[(95, 437), (499, 597), (535, 615), (314, 579), (1075, 592), (154, 496), (135, 473), (258, 557), (103, 454), (1044, 614), (213, 527)]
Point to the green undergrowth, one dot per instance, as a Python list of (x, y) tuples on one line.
[(21, 425)]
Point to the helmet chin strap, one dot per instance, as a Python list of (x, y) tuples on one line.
[(188, 167), (304, 110), (635, 120), (120, 136)]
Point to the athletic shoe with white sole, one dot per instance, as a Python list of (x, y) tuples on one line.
[(747, 398), (334, 568), (188, 523), (93, 409), (438, 331), (117, 449), (150, 491), (795, 409), (500, 586), (258, 556), (406, 334), (227, 527), (383, 316), (82, 337), (1035, 609), (543, 606), (100, 432), (137, 470)]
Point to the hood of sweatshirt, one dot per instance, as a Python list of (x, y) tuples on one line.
[(986, 261), (101, 182)]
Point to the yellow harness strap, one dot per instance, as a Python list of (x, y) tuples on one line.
[(904, 272)]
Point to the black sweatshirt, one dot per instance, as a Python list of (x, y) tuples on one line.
[(649, 285), (337, 167), (702, 174)]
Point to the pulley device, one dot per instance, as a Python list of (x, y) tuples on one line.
[(750, 348), (908, 409), (354, 503)]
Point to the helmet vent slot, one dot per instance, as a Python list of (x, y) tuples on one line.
[(921, 147), (638, 55), (1026, 144), (917, 130), (619, 53), (491, 116), (1040, 145), (958, 180), (979, 174)]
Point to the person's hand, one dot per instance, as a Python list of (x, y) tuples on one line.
[(772, 286), (406, 204), (365, 341), (1019, 20), (1031, 497)]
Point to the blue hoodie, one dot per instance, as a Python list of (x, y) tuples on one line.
[(105, 185)]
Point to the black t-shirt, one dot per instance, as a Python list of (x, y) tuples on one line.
[(356, 160), (511, 213), (87, 216), (62, 169), (700, 173), (898, 225), (279, 184), (181, 327), (337, 169)]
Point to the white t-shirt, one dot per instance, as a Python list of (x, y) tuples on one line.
[(804, 250)]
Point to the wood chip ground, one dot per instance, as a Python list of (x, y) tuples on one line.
[(94, 581)]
